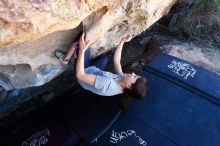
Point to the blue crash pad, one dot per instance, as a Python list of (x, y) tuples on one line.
[(37, 132), (94, 122), (196, 79), (181, 108), (170, 114), (130, 131)]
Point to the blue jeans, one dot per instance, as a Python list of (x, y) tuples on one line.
[(99, 62)]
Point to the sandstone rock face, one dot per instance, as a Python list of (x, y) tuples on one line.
[(30, 31)]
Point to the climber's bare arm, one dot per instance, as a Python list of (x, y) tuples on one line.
[(80, 73), (117, 55), (117, 58)]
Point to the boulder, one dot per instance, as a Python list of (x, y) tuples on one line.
[(31, 30)]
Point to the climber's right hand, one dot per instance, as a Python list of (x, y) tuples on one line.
[(83, 45)]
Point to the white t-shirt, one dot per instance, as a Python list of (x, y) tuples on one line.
[(105, 82)]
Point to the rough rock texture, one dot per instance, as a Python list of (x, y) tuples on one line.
[(132, 16), (24, 23), (31, 19), (33, 62)]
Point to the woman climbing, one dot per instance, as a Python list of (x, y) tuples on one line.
[(91, 75)]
